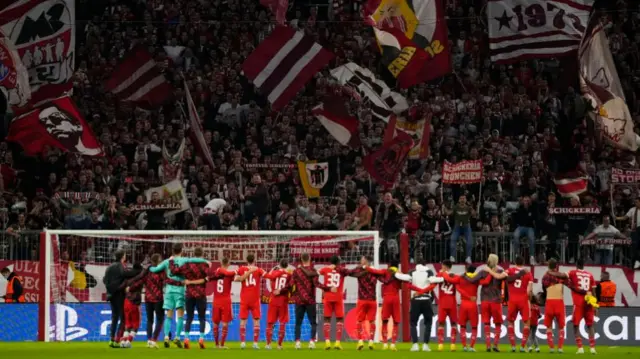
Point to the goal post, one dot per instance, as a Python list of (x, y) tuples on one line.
[(72, 304)]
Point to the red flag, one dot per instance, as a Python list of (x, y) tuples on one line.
[(56, 123), (138, 79), (571, 184), (336, 119), (197, 137), (385, 164), (278, 8), (44, 35), (283, 63)]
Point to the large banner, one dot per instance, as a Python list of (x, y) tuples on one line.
[(625, 176), (81, 277), (529, 29), (91, 322), (463, 172), (43, 32)]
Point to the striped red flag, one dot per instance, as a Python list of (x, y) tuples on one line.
[(528, 29), (283, 63), (197, 136), (571, 186), (138, 79)]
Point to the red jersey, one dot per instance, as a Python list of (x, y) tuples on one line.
[(582, 281), (518, 288), (334, 278), (468, 285), (223, 280), (447, 294), (251, 286), (390, 284), (281, 281)]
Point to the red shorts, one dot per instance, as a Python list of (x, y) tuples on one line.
[(468, 312), (333, 308), (518, 306), (131, 315), (391, 308), (450, 312), (554, 310), (491, 310), (366, 310), (222, 311), (250, 307), (278, 313), (583, 311)]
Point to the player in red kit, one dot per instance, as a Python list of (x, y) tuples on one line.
[(366, 307), (278, 311), (552, 286), (391, 284), (447, 308), (467, 285), (251, 278), (222, 312), (519, 290), (332, 300), (582, 283)]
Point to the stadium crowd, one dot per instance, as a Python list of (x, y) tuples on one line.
[(506, 115)]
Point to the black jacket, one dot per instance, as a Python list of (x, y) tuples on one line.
[(114, 277), (525, 217)]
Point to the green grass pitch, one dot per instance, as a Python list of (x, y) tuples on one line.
[(139, 351)]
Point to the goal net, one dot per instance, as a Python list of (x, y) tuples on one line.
[(74, 306)]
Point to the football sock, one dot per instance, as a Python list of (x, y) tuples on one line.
[(550, 339), (463, 336), (440, 335), (560, 338), (487, 335), (326, 329), (339, 330), (394, 334), (256, 332), (281, 333), (525, 336), (511, 333), (269, 333), (179, 326), (454, 333), (167, 326), (243, 334)]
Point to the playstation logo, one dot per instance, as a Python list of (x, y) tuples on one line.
[(66, 326)]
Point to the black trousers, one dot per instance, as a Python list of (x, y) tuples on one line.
[(418, 308), (310, 311), (151, 309), (117, 313), (192, 304)]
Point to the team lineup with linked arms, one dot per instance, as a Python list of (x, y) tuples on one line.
[(177, 286)]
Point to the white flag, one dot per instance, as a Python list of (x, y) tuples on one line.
[(600, 84), (384, 102)]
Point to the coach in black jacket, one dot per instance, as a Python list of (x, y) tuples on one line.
[(114, 278)]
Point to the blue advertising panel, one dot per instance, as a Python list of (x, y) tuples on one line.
[(91, 322)]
